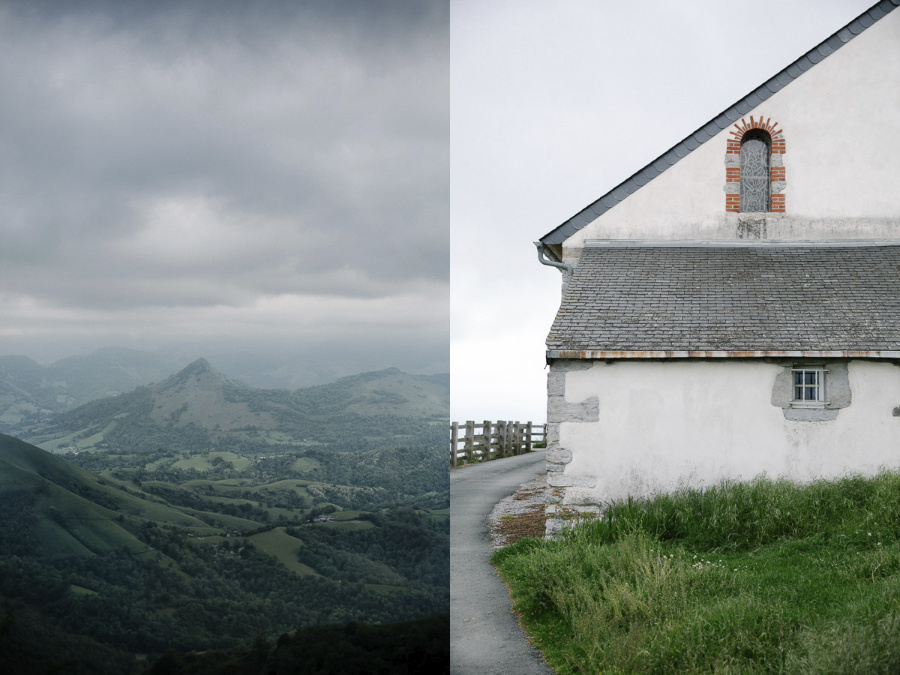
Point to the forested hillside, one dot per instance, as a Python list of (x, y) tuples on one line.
[(138, 560)]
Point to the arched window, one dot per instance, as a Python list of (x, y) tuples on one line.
[(754, 167), (755, 147)]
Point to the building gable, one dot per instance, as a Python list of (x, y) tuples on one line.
[(836, 108)]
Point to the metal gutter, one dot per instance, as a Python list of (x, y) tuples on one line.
[(723, 354), (737, 243), (565, 268)]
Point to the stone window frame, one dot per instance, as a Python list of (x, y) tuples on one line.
[(837, 395), (777, 176)]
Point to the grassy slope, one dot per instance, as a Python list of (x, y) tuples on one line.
[(766, 577), (82, 514), (283, 548)]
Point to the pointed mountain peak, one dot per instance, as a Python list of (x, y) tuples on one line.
[(201, 372), (199, 366)]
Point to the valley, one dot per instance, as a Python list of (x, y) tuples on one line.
[(198, 513)]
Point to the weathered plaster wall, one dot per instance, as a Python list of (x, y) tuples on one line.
[(841, 123), (641, 428)]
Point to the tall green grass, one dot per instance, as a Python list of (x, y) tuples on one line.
[(762, 577)]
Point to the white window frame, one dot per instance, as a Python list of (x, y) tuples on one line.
[(816, 390)]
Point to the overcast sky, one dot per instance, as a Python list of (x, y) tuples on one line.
[(552, 105), (226, 175)]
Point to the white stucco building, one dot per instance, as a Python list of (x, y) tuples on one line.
[(733, 309)]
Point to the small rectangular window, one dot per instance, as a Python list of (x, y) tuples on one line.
[(809, 387)]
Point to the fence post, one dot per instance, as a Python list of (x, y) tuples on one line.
[(479, 441), (470, 441), (497, 438), (516, 437), (528, 447), (488, 439), (454, 438)]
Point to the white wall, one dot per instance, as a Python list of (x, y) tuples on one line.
[(667, 424), (841, 124)]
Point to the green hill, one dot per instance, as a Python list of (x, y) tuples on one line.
[(76, 511)]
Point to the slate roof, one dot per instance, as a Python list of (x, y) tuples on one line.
[(720, 122), (729, 299)]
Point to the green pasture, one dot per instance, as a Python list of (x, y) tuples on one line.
[(202, 462), (283, 547), (305, 464)]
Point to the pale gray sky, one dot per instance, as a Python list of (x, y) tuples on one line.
[(552, 105), (247, 175)]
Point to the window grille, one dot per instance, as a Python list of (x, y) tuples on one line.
[(755, 172), (809, 386)]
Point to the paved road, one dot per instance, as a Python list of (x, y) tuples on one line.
[(484, 636)]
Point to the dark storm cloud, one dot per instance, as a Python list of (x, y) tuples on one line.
[(215, 154)]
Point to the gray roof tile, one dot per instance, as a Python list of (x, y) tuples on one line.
[(804, 63), (767, 297)]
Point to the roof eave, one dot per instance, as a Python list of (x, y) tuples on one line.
[(601, 355)]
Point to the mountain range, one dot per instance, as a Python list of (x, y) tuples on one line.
[(199, 408), (31, 392)]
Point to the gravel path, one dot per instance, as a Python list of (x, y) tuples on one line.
[(519, 515)]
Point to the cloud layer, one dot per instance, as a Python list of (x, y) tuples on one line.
[(229, 166)]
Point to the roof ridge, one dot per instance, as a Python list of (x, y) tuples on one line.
[(720, 122)]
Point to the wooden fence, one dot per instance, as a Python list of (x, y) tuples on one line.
[(471, 442)]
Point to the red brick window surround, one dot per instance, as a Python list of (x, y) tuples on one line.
[(777, 181)]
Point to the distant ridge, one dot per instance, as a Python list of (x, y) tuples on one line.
[(199, 406), (30, 391)]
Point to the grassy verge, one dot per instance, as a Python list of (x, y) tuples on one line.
[(765, 577)]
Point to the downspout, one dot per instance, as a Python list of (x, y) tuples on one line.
[(565, 268)]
